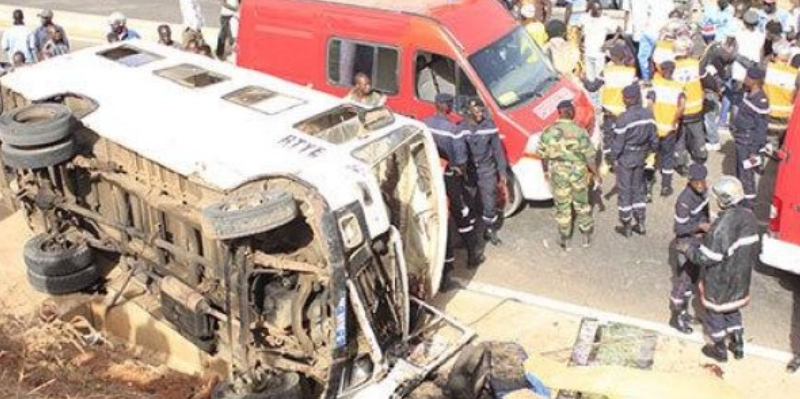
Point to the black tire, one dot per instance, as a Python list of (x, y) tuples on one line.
[(36, 158), (68, 284), (515, 199), (283, 386), (36, 125), (262, 212), (44, 259)]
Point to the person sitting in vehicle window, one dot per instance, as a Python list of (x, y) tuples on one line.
[(363, 93)]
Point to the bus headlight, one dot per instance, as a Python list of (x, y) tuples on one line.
[(351, 231)]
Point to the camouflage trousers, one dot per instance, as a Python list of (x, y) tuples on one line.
[(571, 197)]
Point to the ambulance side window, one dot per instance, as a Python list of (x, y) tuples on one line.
[(347, 58), (436, 74)]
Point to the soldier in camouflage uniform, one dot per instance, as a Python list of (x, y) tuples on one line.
[(568, 157)]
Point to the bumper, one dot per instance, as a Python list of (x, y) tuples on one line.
[(530, 175), (780, 254)]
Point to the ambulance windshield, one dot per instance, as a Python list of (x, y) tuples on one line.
[(514, 69)]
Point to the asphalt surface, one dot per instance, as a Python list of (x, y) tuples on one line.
[(632, 276), (155, 10)]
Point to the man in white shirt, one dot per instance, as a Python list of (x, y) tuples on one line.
[(596, 27), (19, 39), (228, 26), (192, 21), (657, 17)]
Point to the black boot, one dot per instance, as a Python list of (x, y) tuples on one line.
[(563, 242), (681, 321), (666, 191), (491, 236), (794, 364), (624, 229), (737, 344), (587, 238), (474, 250), (716, 351), (639, 228)]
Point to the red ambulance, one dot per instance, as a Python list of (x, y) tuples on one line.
[(781, 243), (414, 49)]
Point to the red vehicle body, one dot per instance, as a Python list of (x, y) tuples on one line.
[(781, 243), (414, 49)]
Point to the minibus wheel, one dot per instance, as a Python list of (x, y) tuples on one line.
[(68, 284), (36, 125), (248, 215), (55, 256), (38, 157)]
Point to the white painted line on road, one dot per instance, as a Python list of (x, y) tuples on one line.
[(584, 311)]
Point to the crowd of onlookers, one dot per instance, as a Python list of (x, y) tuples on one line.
[(22, 45)]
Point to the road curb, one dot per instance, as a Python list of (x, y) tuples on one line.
[(92, 27), (584, 311)]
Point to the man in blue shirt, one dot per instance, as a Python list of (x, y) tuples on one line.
[(718, 18), (771, 12), (40, 35)]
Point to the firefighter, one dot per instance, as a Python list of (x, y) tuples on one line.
[(635, 137), (780, 85), (489, 162), (691, 222), (750, 132), (453, 151), (726, 256), (668, 101), (616, 75), (692, 133), (568, 158)]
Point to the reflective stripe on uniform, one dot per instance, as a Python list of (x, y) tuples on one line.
[(762, 111), (447, 133), (699, 208), (742, 242), (644, 122), (681, 220), (711, 254)]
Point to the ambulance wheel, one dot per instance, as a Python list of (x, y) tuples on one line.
[(38, 157), (515, 198), (36, 125), (246, 216)]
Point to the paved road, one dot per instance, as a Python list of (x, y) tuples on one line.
[(631, 277), (156, 10)]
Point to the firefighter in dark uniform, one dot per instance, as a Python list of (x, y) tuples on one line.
[(691, 222), (488, 160), (750, 132), (726, 258), (453, 150), (634, 138)]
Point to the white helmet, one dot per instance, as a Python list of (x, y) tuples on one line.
[(782, 49), (728, 191), (683, 46), (117, 18), (528, 10)]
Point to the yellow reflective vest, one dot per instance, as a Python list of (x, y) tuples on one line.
[(615, 78), (664, 51), (687, 71), (668, 94), (780, 86)]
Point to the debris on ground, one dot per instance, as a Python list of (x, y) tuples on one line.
[(43, 357)]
